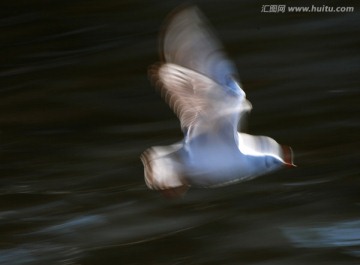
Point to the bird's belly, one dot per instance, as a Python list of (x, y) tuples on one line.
[(212, 160), (213, 169)]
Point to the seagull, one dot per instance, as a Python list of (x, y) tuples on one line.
[(201, 85)]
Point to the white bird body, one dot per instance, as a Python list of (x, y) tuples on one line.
[(200, 85)]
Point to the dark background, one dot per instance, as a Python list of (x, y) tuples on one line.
[(77, 110)]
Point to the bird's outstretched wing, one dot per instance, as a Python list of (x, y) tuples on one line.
[(197, 79), (197, 100), (188, 41)]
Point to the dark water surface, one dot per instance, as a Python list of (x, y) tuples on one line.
[(77, 110)]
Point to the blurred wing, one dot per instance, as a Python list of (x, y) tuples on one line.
[(196, 99), (188, 41), (161, 169)]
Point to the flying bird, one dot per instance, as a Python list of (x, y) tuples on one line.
[(201, 86)]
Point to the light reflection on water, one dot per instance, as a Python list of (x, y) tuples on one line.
[(342, 234), (77, 110)]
